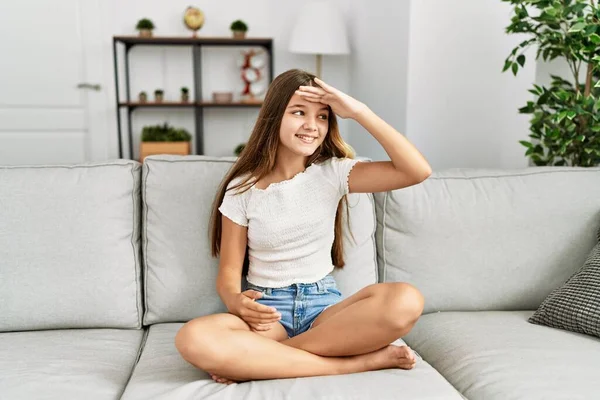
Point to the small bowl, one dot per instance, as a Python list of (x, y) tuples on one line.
[(222, 97)]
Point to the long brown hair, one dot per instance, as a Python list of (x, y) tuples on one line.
[(258, 157)]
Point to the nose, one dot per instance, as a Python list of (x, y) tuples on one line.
[(310, 126)]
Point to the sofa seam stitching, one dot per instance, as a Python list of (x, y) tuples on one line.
[(133, 162), (374, 235), (384, 272), (136, 361), (593, 170), (135, 264), (145, 245)]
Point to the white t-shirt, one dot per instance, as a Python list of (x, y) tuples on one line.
[(291, 223)]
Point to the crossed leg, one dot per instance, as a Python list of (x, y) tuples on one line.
[(351, 336), (368, 320)]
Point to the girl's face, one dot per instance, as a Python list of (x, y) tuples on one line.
[(304, 126)]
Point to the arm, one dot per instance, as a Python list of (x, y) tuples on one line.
[(407, 166), (234, 239)]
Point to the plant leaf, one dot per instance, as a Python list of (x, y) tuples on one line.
[(578, 27), (526, 144)]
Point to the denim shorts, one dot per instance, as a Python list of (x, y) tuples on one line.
[(300, 303)]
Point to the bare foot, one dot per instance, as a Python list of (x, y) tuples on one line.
[(390, 357), (219, 379)]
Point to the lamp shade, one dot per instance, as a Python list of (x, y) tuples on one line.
[(319, 29)]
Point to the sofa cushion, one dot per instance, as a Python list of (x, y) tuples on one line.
[(70, 246), (180, 273), (67, 364), (499, 355), (163, 374), (474, 240), (575, 306)]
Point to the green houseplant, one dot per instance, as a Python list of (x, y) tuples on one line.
[(145, 27), (239, 29), (159, 95), (164, 133), (185, 94), (164, 139), (143, 97), (238, 149), (565, 126)]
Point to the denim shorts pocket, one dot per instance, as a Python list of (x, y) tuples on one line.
[(331, 287)]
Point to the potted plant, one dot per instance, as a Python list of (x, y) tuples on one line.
[(145, 26), (158, 95), (164, 139), (143, 97), (239, 148), (239, 29), (565, 126), (185, 94)]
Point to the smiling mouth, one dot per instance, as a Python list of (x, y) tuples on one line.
[(306, 139)]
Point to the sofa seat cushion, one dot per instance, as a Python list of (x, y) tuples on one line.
[(500, 355), (67, 364), (162, 374)]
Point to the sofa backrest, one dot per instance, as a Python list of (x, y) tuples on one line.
[(180, 273), (473, 239), (70, 246)]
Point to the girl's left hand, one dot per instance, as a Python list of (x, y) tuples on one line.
[(343, 105)]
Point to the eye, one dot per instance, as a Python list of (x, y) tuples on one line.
[(324, 117)]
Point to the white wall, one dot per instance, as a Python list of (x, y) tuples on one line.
[(431, 69), (379, 74), (462, 111)]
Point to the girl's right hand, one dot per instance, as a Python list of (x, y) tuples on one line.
[(258, 316)]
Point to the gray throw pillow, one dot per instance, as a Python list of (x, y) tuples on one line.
[(575, 306)]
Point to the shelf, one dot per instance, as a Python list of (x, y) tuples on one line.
[(190, 104), (208, 41), (153, 104), (233, 104), (123, 45)]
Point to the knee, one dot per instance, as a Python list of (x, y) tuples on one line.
[(404, 304), (193, 342), (189, 338)]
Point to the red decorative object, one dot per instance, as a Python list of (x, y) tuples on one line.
[(251, 74)]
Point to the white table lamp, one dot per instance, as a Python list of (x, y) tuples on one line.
[(319, 30)]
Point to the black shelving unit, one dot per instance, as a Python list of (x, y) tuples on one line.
[(198, 106)]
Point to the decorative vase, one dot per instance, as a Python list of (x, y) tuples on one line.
[(143, 97), (239, 34), (185, 97), (158, 97), (145, 32)]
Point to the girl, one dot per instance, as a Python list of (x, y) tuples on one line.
[(280, 208)]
